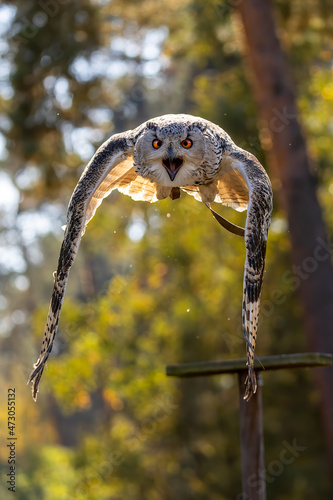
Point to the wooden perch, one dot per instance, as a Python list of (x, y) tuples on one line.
[(250, 412), (278, 362)]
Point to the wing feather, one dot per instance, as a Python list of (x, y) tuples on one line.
[(233, 191), (256, 229), (121, 175), (140, 189)]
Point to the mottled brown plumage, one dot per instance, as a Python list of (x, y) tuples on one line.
[(152, 162)]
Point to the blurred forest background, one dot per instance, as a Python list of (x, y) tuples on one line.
[(153, 284)]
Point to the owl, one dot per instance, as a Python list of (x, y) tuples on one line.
[(156, 160)]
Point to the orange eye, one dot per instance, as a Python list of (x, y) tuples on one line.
[(157, 143), (187, 143)]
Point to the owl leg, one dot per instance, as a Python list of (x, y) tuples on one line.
[(162, 192), (208, 192)]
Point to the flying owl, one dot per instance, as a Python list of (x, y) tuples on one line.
[(152, 162)]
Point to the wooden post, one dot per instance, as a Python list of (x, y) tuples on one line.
[(250, 412), (252, 442)]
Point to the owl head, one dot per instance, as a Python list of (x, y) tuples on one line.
[(177, 150)]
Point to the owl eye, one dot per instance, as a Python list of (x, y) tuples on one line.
[(157, 143), (187, 143)]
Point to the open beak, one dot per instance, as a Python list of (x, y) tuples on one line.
[(172, 165)]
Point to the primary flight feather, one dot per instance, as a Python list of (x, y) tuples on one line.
[(152, 162)]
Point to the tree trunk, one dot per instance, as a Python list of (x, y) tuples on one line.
[(312, 272)]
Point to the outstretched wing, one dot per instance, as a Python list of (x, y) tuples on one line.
[(110, 168), (256, 229)]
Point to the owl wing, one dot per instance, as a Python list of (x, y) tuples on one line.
[(260, 204), (110, 168)]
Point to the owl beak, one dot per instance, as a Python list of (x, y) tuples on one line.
[(172, 165)]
